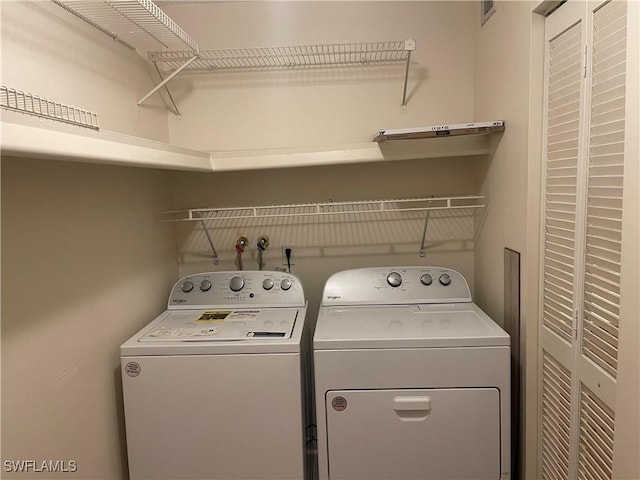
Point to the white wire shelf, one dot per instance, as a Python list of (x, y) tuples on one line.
[(263, 58), (402, 223), (17, 101), (325, 209), (288, 56), (139, 24)]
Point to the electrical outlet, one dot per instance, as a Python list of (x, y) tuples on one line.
[(284, 256)]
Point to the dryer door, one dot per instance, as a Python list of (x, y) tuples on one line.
[(414, 434)]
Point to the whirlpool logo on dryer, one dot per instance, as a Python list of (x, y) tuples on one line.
[(333, 297)]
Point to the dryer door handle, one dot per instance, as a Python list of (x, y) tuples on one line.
[(415, 404)]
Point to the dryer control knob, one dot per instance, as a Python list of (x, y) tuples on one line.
[(236, 284), (187, 286), (394, 279), (267, 284), (286, 284), (445, 279), (426, 279), (205, 285)]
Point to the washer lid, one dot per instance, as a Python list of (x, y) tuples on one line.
[(222, 325), (217, 331), (406, 326)]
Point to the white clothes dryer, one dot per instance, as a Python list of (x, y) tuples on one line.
[(411, 378), (213, 387)]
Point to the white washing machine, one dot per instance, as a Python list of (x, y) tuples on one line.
[(411, 377), (213, 386)]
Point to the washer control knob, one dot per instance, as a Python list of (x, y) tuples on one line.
[(187, 286), (394, 279), (286, 284), (426, 279), (267, 284), (445, 279), (205, 285), (236, 284)]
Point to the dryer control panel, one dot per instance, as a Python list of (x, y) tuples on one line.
[(237, 288), (396, 285)]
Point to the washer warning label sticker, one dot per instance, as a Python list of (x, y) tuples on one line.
[(217, 316), (245, 315)]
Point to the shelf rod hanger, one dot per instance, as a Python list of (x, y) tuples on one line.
[(409, 46), (406, 81), (166, 88), (424, 234), (166, 80), (216, 260)]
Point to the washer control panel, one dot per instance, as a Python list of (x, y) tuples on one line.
[(396, 285), (246, 288)]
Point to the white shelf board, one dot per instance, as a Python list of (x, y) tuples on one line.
[(438, 131), (65, 142), (97, 147), (350, 153)]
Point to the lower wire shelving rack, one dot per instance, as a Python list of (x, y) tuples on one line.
[(333, 224)]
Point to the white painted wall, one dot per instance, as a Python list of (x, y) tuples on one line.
[(85, 264), (48, 52), (322, 106), (507, 85)]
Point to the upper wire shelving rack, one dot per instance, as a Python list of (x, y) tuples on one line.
[(290, 56), (142, 26), (319, 55)]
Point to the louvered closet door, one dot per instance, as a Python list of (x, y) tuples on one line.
[(582, 219), (565, 146), (604, 194)]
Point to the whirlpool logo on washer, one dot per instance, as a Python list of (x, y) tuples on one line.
[(339, 404), (132, 369), (333, 297)]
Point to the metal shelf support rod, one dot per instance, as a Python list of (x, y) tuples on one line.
[(164, 82), (406, 80), (166, 88), (216, 260), (409, 46), (424, 233)]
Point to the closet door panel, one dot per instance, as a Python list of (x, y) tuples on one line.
[(582, 236)]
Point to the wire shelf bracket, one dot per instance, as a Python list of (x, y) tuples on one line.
[(214, 252), (17, 101), (164, 82)]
